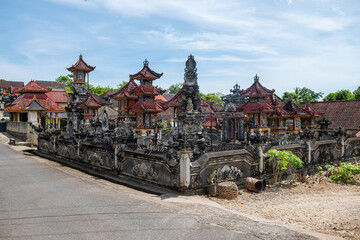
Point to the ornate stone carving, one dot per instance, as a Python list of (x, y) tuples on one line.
[(143, 170), (96, 160), (44, 145), (226, 173)]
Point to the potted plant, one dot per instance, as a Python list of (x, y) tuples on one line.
[(211, 189)]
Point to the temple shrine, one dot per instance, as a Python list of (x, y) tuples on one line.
[(33, 104), (266, 111), (137, 102), (84, 97), (80, 86)]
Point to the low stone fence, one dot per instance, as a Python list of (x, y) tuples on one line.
[(156, 167)]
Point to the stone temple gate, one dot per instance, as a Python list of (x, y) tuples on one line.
[(184, 156)]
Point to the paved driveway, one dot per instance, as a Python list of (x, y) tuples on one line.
[(40, 199)]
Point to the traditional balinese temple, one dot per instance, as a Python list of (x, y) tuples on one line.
[(91, 103), (266, 111), (81, 71), (174, 110), (137, 102), (91, 106), (33, 104), (126, 99)]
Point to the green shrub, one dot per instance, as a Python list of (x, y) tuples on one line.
[(283, 161), (344, 173)]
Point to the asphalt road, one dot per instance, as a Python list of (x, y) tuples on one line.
[(40, 199)]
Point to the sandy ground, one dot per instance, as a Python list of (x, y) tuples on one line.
[(324, 207)]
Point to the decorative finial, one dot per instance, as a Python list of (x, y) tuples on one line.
[(34, 98), (256, 78), (235, 89), (80, 57), (146, 63)]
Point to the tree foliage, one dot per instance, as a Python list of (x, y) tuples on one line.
[(283, 161), (302, 95), (1, 79), (340, 95), (356, 94), (175, 88), (213, 97)]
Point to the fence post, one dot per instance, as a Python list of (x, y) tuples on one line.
[(184, 169), (261, 161)]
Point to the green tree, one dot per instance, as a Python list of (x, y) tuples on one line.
[(340, 95), (302, 95), (356, 94), (213, 97), (283, 161), (67, 80), (2, 79), (121, 85), (330, 97), (175, 88)]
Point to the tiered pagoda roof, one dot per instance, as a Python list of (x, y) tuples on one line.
[(146, 73), (126, 90), (93, 101), (81, 65), (147, 90), (32, 87), (147, 107), (271, 103), (256, 89)]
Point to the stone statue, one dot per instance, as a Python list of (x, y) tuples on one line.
[(189, 106)]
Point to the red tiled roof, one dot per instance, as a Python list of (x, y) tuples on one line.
[(125, 91), (25, 99), (8, 84), (256, 89), (93, 101), (210, 122), (294, 109), (148, 90), (58, 96), (345, 114), (51, 84), (13, 89), (146, 107), (81, 65), (255, 106), (160, 98), (313, 112), (34, 87), (146, 73)]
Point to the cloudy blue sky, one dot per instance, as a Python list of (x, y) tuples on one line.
[(288, 43)]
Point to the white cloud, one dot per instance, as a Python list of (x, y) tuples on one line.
[(325, 24)]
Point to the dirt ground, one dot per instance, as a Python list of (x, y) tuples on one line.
[(325, 207)]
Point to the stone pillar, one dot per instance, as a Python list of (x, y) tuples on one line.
[(184, 170), (342, 146), (116, 157), (309, 151), (261, 160)]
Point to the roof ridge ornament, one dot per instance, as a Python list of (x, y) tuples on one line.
[(256, 78), (146, 63), (80, 57)]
